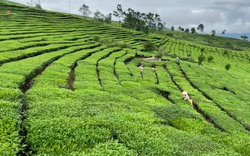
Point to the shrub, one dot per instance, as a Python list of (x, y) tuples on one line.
[(124, 45), (96, 38), (210, 58), (170, 35), (227, 66), (160, 53), (38, 6), (149, 46), (201, 59), (226, 52)]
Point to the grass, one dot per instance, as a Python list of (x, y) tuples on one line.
[(71, 86)]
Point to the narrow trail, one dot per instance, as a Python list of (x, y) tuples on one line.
[(195, 106), (156, 75), (165, 94), (97, 64), (71, 79), (211, 99), (114, 69)]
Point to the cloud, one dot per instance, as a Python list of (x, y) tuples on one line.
[(232, 15)]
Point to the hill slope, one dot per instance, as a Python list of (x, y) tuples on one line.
[(219, 41), (71, 86)]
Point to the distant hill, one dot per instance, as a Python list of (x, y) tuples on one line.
[(234, 35)]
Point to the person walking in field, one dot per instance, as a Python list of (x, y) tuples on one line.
[(177, 59), (141, 67), (186, 97)]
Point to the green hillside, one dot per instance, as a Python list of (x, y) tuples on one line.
[(71, 86), (214, 41)]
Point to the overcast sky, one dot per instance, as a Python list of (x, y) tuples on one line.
[(231, 15)]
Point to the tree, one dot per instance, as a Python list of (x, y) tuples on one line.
[(244, 37), (182, 29), (108, 18), (227, 66), (38, 6), (179, 28), (160, 26), (119, 13), (187, 30), (99, 16), (224, 31), (193, 30), (172, 28), (200, 27), (102, 18), (213, 32), (84, 9)]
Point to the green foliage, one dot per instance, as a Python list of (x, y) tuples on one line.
[(213, 32), (149, 46), (187, 30), (244, 37), (114, 43), (200, 27), (161, 53), (170, 35), (102, 18), (172, 28), (96, 38), (227, 66), (115, 108), (38, 6), (84, 10), (227, 44), (210, 58), (201, 58), (135, 20), (193, 30)]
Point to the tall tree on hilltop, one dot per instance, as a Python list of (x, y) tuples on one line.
[(84, 9), (99, 16), (108, 18), (200, 27), (224, 31), (138, 21), (179, 28), (172, 28), (119, 13), (213, 32), (193, 30), (182, 29), (102, 18), (161, 26), (244, 37), (38, 6), (187, 30)]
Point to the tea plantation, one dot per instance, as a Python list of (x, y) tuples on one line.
[(72, 86)]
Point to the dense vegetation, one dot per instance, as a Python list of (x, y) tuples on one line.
[(72, 86)]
